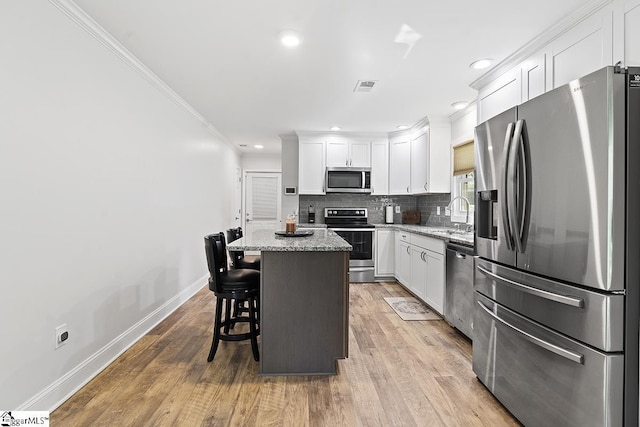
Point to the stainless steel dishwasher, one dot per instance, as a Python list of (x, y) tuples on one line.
[(458, 309)]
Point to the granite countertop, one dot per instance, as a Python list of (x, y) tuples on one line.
[(309, 225), (322, 240), (443, 233)]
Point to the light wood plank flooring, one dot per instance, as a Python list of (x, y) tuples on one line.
[(398, 374)]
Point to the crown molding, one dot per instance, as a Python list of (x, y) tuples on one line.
[(88, 24), (338, 133), (540, 41)]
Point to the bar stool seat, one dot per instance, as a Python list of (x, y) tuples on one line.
[(231, 287)]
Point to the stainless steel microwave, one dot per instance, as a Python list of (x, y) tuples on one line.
[(348, 180)]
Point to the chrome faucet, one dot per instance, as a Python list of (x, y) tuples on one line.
[(466, 221)]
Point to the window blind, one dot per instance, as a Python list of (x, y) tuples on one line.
[(463, 158), (265, 200)]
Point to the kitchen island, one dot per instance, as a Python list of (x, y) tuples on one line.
[(304, 301)]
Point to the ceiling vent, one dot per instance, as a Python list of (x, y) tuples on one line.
[(365, 85)]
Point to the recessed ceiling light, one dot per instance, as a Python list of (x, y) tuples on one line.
[(335, 128), (481, 64), (290, 38), (460, 105), (402, 127), (259, 146)]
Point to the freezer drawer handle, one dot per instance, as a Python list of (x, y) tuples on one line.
[(562, 299), (563, 352)]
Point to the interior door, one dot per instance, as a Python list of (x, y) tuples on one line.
[(237, 205), (263, 201)]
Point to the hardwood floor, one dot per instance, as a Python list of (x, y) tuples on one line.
[(399, 373)]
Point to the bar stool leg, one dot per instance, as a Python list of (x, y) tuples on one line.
[(252, 328), (216, 329)]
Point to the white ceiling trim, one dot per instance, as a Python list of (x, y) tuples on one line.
[(539, 42), (84, 21)]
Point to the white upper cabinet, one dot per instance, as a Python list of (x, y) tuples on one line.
[(311, 166), (589, 39), (500, 95), (631, 22), (400, 165), (348, 153), (419, 163), (380, 167)]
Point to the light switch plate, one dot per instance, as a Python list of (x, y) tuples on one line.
[(437, 210)]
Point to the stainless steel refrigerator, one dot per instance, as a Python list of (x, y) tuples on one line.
[(557, 271)]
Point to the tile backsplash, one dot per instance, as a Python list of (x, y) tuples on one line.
[(426, 204)]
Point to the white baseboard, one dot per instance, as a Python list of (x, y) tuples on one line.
[(64, 387)]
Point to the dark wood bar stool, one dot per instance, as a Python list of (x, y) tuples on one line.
[(238, 258), (235, 286)]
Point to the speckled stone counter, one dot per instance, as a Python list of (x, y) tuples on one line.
[(442, 233), (304, 296), (322, 240)]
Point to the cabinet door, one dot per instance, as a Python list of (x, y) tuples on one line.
[(337, 153), (435, 280), (400, 167), (311, 167), (360, 154), (385, 253), (380, 168), (418, 282), (402, 261), (419, 163)]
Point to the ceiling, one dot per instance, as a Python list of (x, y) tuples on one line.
[(224, 57)]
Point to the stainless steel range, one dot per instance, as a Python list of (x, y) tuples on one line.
[(352, 225)]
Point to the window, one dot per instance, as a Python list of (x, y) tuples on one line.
[(463, 183), (463, 186)]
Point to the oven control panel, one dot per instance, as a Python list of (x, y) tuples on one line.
[(345, 213)]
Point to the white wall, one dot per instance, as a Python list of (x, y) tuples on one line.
[(107, 189), (261, 162), (463, 124)]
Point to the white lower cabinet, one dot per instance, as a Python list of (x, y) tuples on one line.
[(420, 267), (418, 281), (402, 254), (435, 280), (385, 250)]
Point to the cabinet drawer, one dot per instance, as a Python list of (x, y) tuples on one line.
[(435, 245), (403, 236), (542, 377)]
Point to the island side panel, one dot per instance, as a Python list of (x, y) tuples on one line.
[(304, 319)]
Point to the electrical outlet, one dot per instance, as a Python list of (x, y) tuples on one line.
[(62, 335), (437, 210), (447, 212), (397, 209)]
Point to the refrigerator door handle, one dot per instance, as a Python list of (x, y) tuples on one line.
[(512, 187), (521, 185), (562, 299), (506, 197), (563, 352)]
